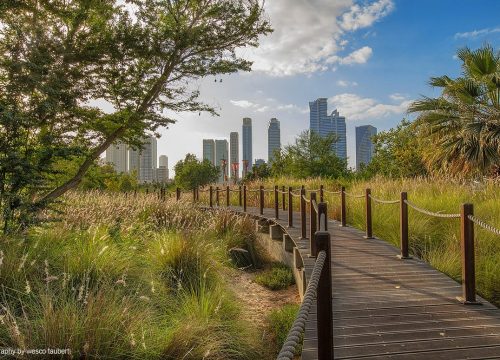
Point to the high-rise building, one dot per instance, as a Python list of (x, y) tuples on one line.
[(247, 145), (162, 171), (209, 150), (364, 144), (148, 160), (222, 159), (134, 157), (116, 155), (324, 124), (234, 158), (273, 138), (338, 127)]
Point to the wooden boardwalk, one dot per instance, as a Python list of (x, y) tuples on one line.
[(387, 308)]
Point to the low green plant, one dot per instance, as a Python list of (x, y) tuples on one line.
[(280, 322), (277, 277)]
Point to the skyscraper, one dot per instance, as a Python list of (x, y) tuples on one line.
[(234, 158), (162, 171), (364, 144), (134, 161), (324, 124), (209, 150), (273, 138), (247, 145), (116, 155), (339, 128), (148, 160), (222, 159)]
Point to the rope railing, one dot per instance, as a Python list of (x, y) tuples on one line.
[(332, 192), (484, 225), (315, 205), (296, 195), (294, 336), (431, 213), (306, 199), (380, 201), (354, 196)]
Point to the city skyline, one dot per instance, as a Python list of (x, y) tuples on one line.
[(364, 144)]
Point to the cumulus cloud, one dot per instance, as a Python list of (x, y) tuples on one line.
[(359, 17), (345, 83), (476, 33), (308, 35), (245, 104), (355, 107), (359, 56), (397, 97)]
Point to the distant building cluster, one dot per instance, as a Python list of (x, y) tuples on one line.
[(142, 162), (227, 155), (324, 124)]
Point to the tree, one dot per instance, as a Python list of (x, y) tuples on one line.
[(191, 173), (57, 58), (462, 125), (312, 155), (398, 153), (259, 172)]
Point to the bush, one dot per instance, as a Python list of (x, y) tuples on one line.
[(278, 277), (280, 322)]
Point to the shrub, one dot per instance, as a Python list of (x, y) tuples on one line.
[(278, 277), (280, 322)]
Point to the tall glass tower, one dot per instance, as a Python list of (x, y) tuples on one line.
[(273, 138), (247, 145), (209, 151), (222, 159), (116, 155), (234, 157), (364, 144), (148, 160), (324, 124)]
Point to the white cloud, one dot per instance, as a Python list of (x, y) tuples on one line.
[(397, 97), (245, 104), (359, 17), (476, 33), (359, 56), (345, 83), (307, 35), (354, 107)]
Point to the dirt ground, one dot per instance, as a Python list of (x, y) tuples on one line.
[(257, 301)]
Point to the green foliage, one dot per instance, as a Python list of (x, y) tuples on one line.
[(398, 153), (107, 283), (259, 172), (312, 155), (59, 58), (191, 173), (280, 323), (461, 127), (278, 277)]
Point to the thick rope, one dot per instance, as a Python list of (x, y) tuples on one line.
[(431, 213), (484, 225), (315, 204), (293, 339), (332, 192), (296, 195), (306, 199), (354, 196), (384, 201)]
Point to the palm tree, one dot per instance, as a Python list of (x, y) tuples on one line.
[(462, 126)]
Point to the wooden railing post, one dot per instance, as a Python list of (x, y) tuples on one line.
[(468, 265), (303, 232), (177, 193), (343, 214), (403, 227), (228, 196), (240, 199), (283, 207), (276, 203), (368, 208), (194, 194), (211, 196), (244, 198), (290, 207), (313, 216), (261, 198), (217, 196), (324, 299), (321, 193)]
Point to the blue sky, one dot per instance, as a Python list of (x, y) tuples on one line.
[(369, 58)]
